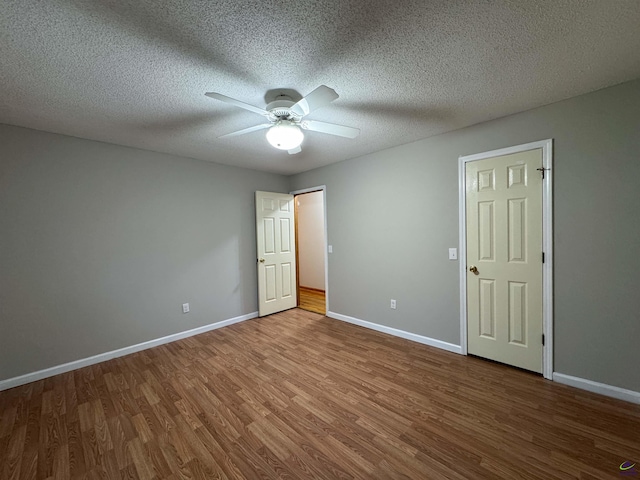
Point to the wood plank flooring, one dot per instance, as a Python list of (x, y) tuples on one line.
[(299, 396), (312, 300)]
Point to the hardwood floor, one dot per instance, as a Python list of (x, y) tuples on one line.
[(298, 395), (313, 300)]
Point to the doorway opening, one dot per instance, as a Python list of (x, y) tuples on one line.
[(311, 249)]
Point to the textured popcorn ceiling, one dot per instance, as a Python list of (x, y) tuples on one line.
[(134, 72)]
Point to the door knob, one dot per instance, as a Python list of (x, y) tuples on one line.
[(261, 260), (473, 269)]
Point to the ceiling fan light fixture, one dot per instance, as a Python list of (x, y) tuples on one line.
[(284, 135)]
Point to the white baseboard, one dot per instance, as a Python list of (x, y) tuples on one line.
[(450, 347), (595, 387), (102, 357)]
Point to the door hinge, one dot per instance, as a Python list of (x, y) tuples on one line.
[(541, 170), (543, 339), (542, 257)]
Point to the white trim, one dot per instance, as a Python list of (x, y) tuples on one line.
[(508, 150), (102, 357), (547, 244), (462, 253), (308, 190), (547, 266), (432, 342), (323, 189), (595, 387)]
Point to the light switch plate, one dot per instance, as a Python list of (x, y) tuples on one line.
[(330, 248), (453, 254)]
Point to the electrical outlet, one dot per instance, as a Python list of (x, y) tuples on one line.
[(393, 304), (185, 308)]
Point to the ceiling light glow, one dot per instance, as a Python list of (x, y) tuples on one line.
[(285, 135)]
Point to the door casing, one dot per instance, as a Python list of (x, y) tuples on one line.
[(547, 243)]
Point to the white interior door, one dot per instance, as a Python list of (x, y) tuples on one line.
[(276, 252), (504, 259)]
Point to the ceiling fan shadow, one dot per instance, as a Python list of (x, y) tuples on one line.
[(349, 24), (183, 123), (417, 114), (143, 21)]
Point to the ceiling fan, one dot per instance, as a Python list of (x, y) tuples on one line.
[(286, 118)]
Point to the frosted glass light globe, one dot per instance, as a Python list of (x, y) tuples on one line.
[(285, 135)]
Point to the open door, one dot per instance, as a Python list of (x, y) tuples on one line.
[(275, 241)]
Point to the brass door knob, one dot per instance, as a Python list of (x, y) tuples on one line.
[(473, 269), (261, 260)]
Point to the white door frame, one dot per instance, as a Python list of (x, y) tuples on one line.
[(547, 244), (323, 189)]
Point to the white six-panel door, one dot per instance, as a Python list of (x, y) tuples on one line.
[(276, 252), (504, 259)]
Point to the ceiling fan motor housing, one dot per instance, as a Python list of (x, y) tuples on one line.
[(280, 109)]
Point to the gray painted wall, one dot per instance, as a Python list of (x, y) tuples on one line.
[(393, 214), (100, 245)]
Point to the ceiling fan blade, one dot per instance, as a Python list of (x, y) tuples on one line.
[(247, 130), (320, 97), (330, 128), (237, 103), (293, 151)]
